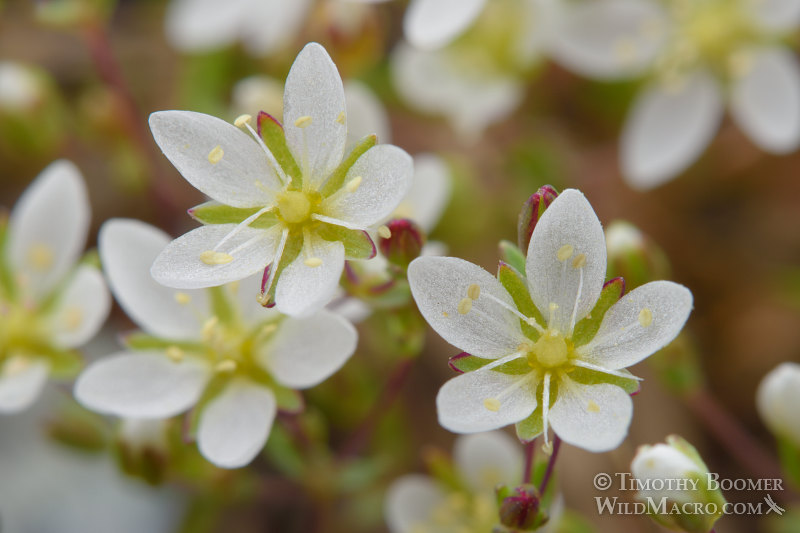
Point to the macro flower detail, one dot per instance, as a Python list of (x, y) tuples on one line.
[(49, 304), (217, 350), (547, 349), (289, 200)]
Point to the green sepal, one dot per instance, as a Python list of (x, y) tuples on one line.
[(8, 287), (294, 245), (216, 213), (64, 364), (357, 243), (586, 329), (517, 287), (512, 255), (274, 137), (143, 341), (336, 179), (288, 400), (531, 427), (465, 362), (593, 377)]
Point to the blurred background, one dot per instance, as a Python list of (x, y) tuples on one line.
[(78, 79)]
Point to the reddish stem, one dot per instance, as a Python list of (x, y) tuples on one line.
[(527, 472), (550, 465)]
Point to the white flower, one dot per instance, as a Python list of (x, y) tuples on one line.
[(290, 201), (702, 54), (218, 347), (48, 304), (417, 503), (777, 399), (263, 26), (20, 88), (552, 345), (477, 79)]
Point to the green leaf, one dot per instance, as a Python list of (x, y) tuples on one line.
[(512, 255), (586, 329), (64, 363), (357, 243), (283, 454), (465, 362), (275, 138), (593, 377), (336, 179), (217, 213), (517, 287)]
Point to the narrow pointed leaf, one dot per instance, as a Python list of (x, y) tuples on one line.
[(336, 179), (271, 131), (586, 329), (516, 286)]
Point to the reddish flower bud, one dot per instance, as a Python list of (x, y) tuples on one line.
[(519, 511), (400, 241), (532, 210)]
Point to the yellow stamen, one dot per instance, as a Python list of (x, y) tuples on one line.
[(73, 318), (592, 407), (474, 291), (579, 261), (40, 256), (340, 118), (241, 120), (226, 366), (210, 257), (645, 317), (565, 252), (492, 404), (182, 298), (464, 306), (208, 327), (313, 262), (215, 155), (445, 314), (174, 353), (352, 185), (384, 232), (303, 121), (14, 366)]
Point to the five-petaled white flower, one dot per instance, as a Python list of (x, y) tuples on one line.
[(418, 504), (700, 54), (553, 346), (288, 200), (215, 348), (48, 305)]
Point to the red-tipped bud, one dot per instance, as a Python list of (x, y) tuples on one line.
[(532, 210), (400, 241), (519, 510)]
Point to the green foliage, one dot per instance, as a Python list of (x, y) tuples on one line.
[(336, 179), (586, 329)]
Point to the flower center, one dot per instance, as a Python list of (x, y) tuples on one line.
[(20, 330), (294, 206), (550, 351)]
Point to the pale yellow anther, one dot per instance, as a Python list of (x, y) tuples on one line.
[(208, 327), (40, 256), (547, 447), (592, 407), (492, 404), (553, 307), (474, 291), (182, 298), (579, 261), (384, 232), (226, 366), (341, 118), (215, 155), (210, 257), (303, 121), (241, 120), (15, 366), (625, 50), (313, 262), (524, 347), (464, 306), (174, 353), (645, 317), (565, 252), (73, 318), (353, 184), (445, 314), (268, 329)]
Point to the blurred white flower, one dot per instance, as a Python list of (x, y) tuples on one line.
[(262, 26), (539, 344), (478, 78), (777, 400), (417, 503), (289, 201), (702, 55), (218, 347), (49, 304), (20, 87)]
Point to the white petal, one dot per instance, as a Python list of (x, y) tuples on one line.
[(306, 351), (641, 323), (434, 23), (470, 99), (141, 385), (410, 502), (488, 459), (766, 101), (21, 381), (202, 25), (235, 425), (81, 309), (460, 402), (365, 114), (592, 417), (429, 194), (386, 172), (191, 140), (179, 264), (668, 129), (568, 234), (302, 289), (48, 226), (777, 14), (439, 284), (127, 249), (270, 24), (662, 462), (314, 89), (608, 39), (777, 399)]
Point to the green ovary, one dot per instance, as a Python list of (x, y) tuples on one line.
[(294, 206)]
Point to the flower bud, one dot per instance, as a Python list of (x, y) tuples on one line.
[(144, 449), (520, 510), (401, 241), (777, 399), (674, 484), (531, 211), (631, 255)]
